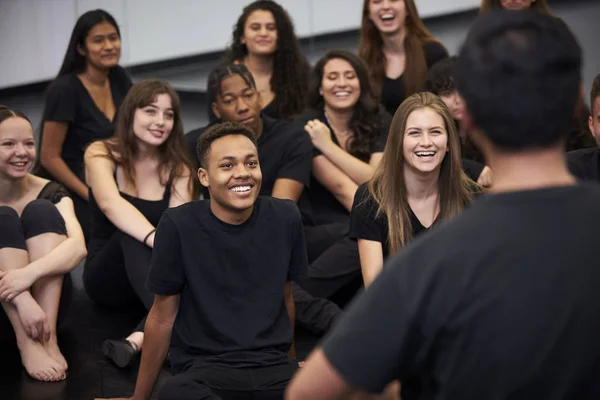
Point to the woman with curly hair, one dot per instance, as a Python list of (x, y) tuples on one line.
[(265, 42), (397, 48)]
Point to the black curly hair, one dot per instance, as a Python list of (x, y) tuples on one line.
[(367, 112), (440, 77), (289, 81)]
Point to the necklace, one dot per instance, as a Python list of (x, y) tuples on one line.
[(342, 134)]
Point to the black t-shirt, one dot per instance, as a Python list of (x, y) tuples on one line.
[(472, 168), (67, 100), (284, 151), (231, 280), (393, 92), (318, 205), (585, 164), (501, 302), (53, 192), (366, 224)]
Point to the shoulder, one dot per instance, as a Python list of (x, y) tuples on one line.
[(182, 214), (307, 115), (119, 76), (291, 133), (282, 209), (62, 84), (434, 51), (363, 200), (582, 154), (52, 191), (97, 149)]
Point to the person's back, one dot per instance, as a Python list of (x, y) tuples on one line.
[(501, 302)]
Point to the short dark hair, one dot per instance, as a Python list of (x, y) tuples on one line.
[(520, 76), (595, 93), (217, 76), (218, 131), (441, 76)]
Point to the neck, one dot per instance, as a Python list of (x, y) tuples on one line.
[(13, 190), (146, 152), (259, 65), (96, 76), (393, 43), (338, 119), (421, 186), (229, 216), (529, 170)]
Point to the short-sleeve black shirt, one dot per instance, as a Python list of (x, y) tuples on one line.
[(585, 164), (393, 92), (67, 100), (318, 205), (231, 280), (501, 302), (284, 151)]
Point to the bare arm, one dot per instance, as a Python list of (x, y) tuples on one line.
[(54, 138), (291, 309), (99, 172), (287, 189), (335, 180), (357, 170), (157, 338), (371, 259)]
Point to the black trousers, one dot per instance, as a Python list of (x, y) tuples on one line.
[(115, 276), (39, 216), (223, 383), (335, 274)]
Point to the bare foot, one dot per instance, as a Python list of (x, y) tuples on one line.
[(54, 351), (39, 364)]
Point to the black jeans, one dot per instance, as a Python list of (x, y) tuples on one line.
[(224, 383)]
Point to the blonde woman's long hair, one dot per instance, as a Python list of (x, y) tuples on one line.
[(388, 186)]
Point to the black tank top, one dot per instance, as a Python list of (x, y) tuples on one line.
[(101, 227)]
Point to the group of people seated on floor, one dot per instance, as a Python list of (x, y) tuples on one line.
[(304, 182)]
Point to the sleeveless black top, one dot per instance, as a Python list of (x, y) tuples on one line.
[(101, 227)]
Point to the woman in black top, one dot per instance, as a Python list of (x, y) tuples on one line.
[(265, 42), (82, 102), (418, 183), (40, 243), (397, 48), (133, 178), (348, 131)]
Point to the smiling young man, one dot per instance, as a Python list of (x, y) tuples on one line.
[(221, 273), (585, 163), (284, 149), (502, 302)]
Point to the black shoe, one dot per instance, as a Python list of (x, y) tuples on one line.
[(121, 352)]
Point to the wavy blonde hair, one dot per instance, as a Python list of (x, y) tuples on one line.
[(388, 187)]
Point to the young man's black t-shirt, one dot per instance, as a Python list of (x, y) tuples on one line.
[(231, 280), (284, 152), (585, 164), (501, 302), (366, 224)]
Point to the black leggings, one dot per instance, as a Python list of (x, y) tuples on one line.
[(115, 276), (215, 383), (39, 216)]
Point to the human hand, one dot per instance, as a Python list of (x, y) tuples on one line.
[(319, 133), (33, 318), (485, 178), (15, 282)]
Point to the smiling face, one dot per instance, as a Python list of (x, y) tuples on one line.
[(388, 16), (340, 86), (425, 141), (260, 33), (238, 102), (232, 176), (102, 48), (153, 124), (516, 5), (17, 148)]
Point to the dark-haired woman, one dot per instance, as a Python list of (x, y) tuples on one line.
[(40, 243), (81, 104), (348, 129), (265, 42), (515, 5), (133, 178), (397, 48)]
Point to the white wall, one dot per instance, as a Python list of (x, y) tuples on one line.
[(156, 30)]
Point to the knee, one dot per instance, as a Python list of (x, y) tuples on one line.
[(41, 216), (11, 234), (173, 388)]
